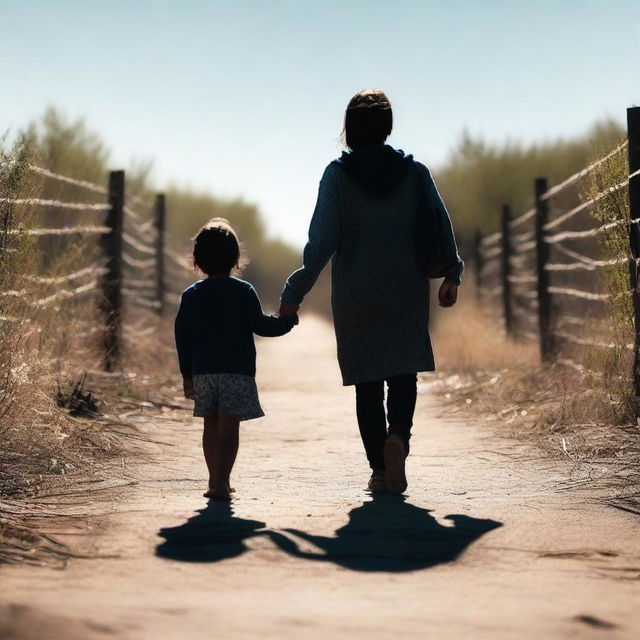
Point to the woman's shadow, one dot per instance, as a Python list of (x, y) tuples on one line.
[(384, 534), (389, 534)]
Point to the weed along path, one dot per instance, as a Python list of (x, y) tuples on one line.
[(487, 543)]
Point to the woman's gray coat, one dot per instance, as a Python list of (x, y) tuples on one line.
[(365, 221)]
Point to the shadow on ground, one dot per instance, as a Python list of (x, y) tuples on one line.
[(214, 534), (384, 534), (389, 534)]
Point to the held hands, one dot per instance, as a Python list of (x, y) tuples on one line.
[(187, 386), (286, 310), (448, 294)]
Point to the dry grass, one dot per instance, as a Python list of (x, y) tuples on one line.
[(583, 407), (469, 338), (572, 414), (40, 349), (61, 419)]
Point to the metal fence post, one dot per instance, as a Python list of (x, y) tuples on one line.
[(633, 133), (111, 302), (506, 270), (160, 223), (545, 308)]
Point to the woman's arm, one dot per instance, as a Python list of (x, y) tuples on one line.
[(448, 238), (265, 325), (324, 238)]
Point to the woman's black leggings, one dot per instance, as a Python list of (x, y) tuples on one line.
[(401, 403)]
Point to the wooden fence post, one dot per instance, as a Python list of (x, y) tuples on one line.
[(633, 133), (506, 270), (160, 223), (545, 310), (112, 280), (479, 263)]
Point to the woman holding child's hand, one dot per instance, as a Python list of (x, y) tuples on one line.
[(287, 310), (380, 219)]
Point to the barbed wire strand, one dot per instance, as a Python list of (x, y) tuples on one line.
[(137, 245), (491, 239), (526, 247), (569, 235), (568, 362), (85, 184), (522, 279), (147, 283), (58, 204), (136, 332), (571, 320), (492, 253), (583, 266), (95, 269), (574, 254), (143, 302), (585, 205), (65, 294), (590, 343), (149, 294), (136, 217), (578, 293), (522, 237), (144, 231), (522, 219), (138, 264), (61, 231), (582, 173)]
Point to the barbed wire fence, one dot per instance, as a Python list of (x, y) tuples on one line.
[(132, 267), (544, 268)]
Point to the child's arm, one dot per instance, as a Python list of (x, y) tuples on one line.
[(265, 325), (183, 345)]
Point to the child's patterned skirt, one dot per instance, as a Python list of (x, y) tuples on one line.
[(230, 393)]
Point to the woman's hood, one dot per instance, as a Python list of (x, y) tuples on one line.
[(378, 169)]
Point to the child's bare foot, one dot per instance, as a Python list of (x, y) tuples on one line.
[(219, 492), (212, 493)]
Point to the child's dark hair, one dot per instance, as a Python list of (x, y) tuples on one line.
[(368, 119), (216, 250)]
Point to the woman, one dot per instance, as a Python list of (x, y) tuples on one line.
[(378, 214)]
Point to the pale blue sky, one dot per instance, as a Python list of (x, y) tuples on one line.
[(246, 97)]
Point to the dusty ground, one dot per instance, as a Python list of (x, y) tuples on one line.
[(491, 541)]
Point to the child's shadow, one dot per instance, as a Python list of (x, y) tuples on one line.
[(214, 534), (389, 534)]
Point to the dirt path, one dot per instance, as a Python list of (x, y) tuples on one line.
[(303, 552)]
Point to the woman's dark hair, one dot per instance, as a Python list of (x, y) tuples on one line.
[(216, 250), (368, 119)]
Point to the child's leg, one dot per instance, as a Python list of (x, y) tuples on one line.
[(210, 445), (228, 441), (372, 421)]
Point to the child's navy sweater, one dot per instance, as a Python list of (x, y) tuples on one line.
[(215, 324)]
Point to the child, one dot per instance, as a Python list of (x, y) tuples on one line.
[(214, 331)]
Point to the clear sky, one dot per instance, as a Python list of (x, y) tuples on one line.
[(245, 97)]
